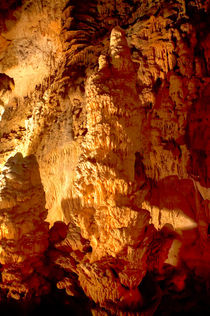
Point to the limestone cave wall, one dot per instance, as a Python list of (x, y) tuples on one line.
[(104, 156)]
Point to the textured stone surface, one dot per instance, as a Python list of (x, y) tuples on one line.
[(23, 231), (112, 100)]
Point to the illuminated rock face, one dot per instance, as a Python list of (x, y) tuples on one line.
[(23, 231), (112, 100)]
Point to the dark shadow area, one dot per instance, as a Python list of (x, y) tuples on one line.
[(173, 193), (56, 303), (193, 300)]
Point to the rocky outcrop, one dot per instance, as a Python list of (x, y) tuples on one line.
[(112, 99)]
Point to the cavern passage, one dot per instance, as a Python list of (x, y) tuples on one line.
[(104, 157)]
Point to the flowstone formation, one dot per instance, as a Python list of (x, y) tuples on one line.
[(104, 155)]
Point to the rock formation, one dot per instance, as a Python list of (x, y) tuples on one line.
[(24, 233), (104, 154)]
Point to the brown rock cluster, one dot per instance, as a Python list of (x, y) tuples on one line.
[(104, 153)]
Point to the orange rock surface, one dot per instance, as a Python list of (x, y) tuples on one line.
[(104, 154)]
